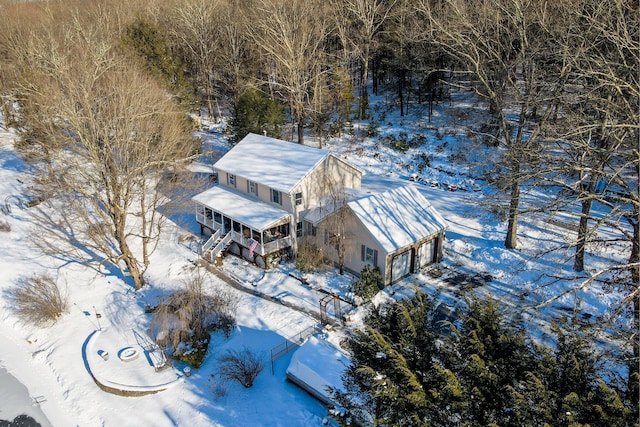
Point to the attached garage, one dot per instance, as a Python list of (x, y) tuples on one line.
[(402, 226)]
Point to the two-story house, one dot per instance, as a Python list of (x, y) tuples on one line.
[(272, 193), (266, 186)]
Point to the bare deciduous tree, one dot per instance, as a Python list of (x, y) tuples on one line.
[(291, 36), (505, 46), (243, 366), (604, 137), (183, 320), (335, 234), (104, 131), (362, 20), (194, 25)]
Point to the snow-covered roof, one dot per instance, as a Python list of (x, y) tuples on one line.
[(317, 365), (280, 165), (251, 212), (330, 204), (398, 217)]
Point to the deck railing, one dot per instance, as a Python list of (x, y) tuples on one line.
[(262, 249)]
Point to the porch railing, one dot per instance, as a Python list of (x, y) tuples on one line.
[(276, 245), (207, 222), (262, 249)]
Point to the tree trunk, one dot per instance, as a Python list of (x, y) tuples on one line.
[(578, 262), (343, 248), (127, 256), (511, 240), (300, 131), (364, 92), (401, 91), (583, 227), (374, 77), (634, 259), (132, 265)]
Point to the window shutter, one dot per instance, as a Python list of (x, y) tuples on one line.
[(362, 252), (256, 189), (247, 186), (280, 197), (375, 257)]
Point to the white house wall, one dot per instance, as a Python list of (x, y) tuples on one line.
[(355, 236)]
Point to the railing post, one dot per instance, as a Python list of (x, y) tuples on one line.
[(273, 372)]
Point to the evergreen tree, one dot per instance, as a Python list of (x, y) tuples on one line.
[(152, 45), (255, 112), (568, 388), (484, 370), (490, 354)]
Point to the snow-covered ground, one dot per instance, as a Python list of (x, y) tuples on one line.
[(55, 363)]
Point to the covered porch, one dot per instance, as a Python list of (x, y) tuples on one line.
[(257, 226)]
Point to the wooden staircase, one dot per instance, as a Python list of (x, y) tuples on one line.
[(216, 244)]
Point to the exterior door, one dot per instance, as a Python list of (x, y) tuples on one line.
[(401, 266)]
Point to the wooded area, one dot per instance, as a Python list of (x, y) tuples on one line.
[(87, 82)]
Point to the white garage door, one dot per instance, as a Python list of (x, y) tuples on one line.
[(401, 266), (425, 254)]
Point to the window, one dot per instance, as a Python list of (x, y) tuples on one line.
[(217, 217), (252, 188), (208, 213), (369, 256), (299, 229), (275, 197), (298, 199), (231, 179)]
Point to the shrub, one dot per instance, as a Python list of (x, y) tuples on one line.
[(398, 143), (4, 226), (37, 300), (183, 320), (309, 257), (369, 283), (217, 387), (373, 128), (243, 366)]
